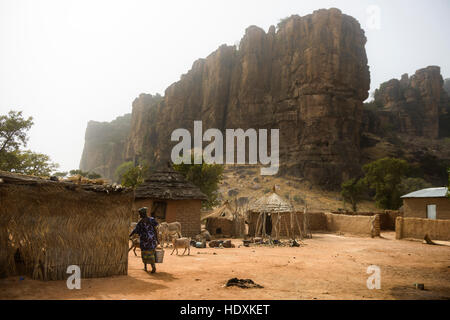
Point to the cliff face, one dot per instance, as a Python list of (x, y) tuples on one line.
[(414, 105), (307, 79), (104, 145), (409, 119)]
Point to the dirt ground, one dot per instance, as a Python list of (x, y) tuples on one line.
[(328, 266)]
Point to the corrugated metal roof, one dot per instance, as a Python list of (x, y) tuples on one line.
[(428, 193)]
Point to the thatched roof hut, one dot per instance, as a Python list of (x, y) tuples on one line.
[(46, 225), (272, 215), (170, 197), (225, 221), (271, 203), (168, 185)]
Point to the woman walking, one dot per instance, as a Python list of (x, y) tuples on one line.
[(148, 239)]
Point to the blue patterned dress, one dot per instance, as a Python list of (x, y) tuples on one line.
[(148, 240)]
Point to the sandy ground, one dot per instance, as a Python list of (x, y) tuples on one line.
[(328, 266)]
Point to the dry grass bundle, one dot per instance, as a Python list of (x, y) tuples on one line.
[(47, 226)]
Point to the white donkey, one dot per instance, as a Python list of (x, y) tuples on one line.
[(166, 230)]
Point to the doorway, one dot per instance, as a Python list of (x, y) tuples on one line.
[(431, 211), (269, 224), (159, 210)]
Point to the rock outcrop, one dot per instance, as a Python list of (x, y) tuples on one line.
[(104, 145), (414, 105), (309, 79), (410, 119)]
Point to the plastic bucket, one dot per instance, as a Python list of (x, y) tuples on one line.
[(159, 256)]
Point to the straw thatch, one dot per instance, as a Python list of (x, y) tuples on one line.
[(45, 226), (225, 211), (274, 216), (225, 221), (272, 203), (168, 185)]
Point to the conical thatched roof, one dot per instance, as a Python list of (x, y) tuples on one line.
[(168, 185), (223, 212), (271, 203)]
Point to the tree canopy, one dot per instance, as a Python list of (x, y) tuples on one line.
[(352, 191), (384, 176), (13, 137), (130, 175), (206, 177)]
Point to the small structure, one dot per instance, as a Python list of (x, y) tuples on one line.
[(273, 216), (225, 221), (170, 197), (430, 203), (46, 226)]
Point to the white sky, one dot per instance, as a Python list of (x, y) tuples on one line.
[(68, 62)]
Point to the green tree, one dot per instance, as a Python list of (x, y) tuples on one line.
[(352, 192), (13, 131), (408, 185), (36, 164), (61, 174), (206, 177), (13, 136), (93, 175), (86, 174), (130, 175), (384, 176), (82, 173)]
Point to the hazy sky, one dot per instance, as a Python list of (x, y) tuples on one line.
[(68, 62)]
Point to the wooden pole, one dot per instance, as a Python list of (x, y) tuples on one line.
[(264, 226), (257, 225), (298, 226), (287, 229), (278, 226)]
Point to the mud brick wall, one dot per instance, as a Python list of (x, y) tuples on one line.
[(417, 228), (317, 221), (187, 212), (354, 224), (387, 218), (417, 207)]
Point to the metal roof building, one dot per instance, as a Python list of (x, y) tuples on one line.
[(430, 203), (428, 193)]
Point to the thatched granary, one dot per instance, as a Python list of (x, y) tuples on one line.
[(46, 226), (225, 221), (271, 215), (170, 197)]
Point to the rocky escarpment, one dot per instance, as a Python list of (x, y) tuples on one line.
[(308, 79), (104, 145), (410, 119), (414, 105)]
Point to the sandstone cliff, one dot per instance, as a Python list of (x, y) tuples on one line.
[(104, 145), (309, 79), (410, 119), (414, 105)]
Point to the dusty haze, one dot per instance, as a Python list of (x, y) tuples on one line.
[(67, 62)]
